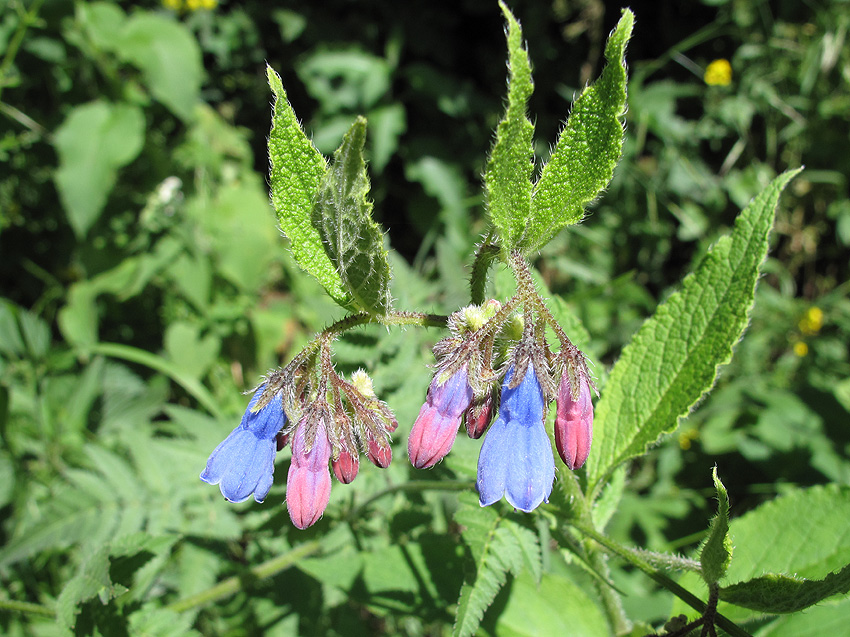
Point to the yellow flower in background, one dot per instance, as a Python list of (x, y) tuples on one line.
[(801, 349), (812, 321), (174, 5), (718, 73)]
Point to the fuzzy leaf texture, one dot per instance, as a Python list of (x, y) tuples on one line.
[(774, 593), (673, 359), (498, 546), (716, 552), (587, 150), (507, 177), (343, 215), (297, 171)]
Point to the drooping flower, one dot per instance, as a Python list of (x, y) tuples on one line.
[(308, 484), (436, 427), (516, 458), (573, 421), (346, 466), (479, 415), (243, 464)]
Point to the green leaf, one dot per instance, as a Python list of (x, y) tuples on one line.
[(343, 215), (673, 359), (774, 593), (94, 141), (553, 606), (169, 58), (507, 177), (498, 546), (297, 171), (587, 151), (716, 552)]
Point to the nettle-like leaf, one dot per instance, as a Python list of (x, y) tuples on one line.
[(526, 215), (774, 593), (673, 359), (716, 551), (343, 215), (498, 546), (325, 212), (587, 151), (507, 178), (297, 171)]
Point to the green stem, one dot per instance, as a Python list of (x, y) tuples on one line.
[(418, 485), (233, 584), (26, 607), (27, 20), (163, 366), (484, 257), (661, 578)]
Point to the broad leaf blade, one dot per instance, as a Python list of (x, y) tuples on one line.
[(343, 215), (297, 170), (673, 359), (94, 141), (507, 178), (588, 149), (716, 552), (498, 546), (774, 593)]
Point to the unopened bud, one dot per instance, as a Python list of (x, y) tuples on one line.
[(573, 422), (478, 416), (379, 455), (346, 466)]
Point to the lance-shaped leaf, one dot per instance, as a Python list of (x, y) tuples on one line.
[(297, 170), (498, 546), (343, 215), (673, 359), (774, 593), (507, 178), (716, 551), (587, 151)]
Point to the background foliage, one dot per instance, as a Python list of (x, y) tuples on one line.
[(144, 285)]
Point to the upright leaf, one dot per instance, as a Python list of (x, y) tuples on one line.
[(507, 178), (297, 170), (716, 551), (673, 359), (588, 149), (343, 215), (498, 546)]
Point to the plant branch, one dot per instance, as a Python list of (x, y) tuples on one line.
[(233, 584), (661, 578), (26, 607)]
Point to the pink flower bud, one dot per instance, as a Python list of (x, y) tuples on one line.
[(308, 486), (573, 422), (378, 454), (435, 429), (346, 466), (478, 417)]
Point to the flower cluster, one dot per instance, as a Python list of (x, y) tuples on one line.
[(495, 355), (516, 459), (328, 421)]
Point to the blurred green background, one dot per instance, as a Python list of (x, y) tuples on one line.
[(144, 285)]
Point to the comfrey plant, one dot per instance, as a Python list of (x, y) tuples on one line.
[(505, 362)]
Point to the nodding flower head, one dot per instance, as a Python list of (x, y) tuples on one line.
[(479, 415), (435, 429), (308, 485), (574, 421), (346, 466), (516, 458), (243, 464)]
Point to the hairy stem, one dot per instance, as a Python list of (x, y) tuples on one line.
[(484, 256)]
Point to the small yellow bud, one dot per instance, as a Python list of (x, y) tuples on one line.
[(718, 73), (801, 349), (363, 382)]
